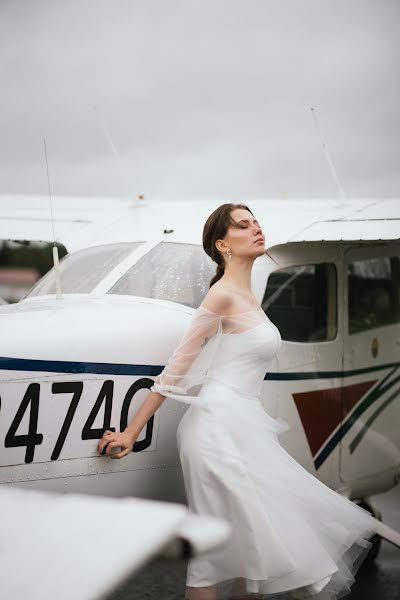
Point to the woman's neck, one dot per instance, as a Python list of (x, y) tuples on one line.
[(238, 275)]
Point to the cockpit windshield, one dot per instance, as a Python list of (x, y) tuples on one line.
[(82, 271), (170, 271)]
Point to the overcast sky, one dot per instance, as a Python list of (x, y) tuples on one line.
[(202, 99)]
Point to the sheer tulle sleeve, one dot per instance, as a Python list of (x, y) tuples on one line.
[(186, 369)]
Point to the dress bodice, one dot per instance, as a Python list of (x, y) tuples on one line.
[(242, 359), (232, 350)]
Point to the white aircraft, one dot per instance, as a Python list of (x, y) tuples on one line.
[(79, 358)]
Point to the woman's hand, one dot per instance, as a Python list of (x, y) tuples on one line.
[(112, 440), (126, 439)]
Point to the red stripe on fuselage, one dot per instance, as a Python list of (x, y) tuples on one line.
[(321, 411)]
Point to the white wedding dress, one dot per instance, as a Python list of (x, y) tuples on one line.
[(293, 536)]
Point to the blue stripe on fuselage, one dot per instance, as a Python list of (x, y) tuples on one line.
[(67, 366)]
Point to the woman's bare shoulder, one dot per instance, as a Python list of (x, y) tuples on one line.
[(218, 299)]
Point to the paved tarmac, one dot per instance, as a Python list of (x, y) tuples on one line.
[(165, 580)]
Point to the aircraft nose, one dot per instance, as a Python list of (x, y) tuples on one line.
[(88, 334), (77, 367)]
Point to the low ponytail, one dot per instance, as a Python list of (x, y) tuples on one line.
[(218, 274)]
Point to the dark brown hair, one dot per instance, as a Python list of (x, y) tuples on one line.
[(215, 228)]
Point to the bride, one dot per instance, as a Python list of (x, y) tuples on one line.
[(292, 536)]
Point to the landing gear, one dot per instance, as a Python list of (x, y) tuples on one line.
[(376, 539)]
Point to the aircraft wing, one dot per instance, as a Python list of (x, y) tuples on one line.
[(377, 220), (79, 546), (80, 222), (32, 217)]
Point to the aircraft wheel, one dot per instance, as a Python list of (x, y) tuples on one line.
[(376, 539)]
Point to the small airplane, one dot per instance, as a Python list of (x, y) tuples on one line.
[(79, 353)]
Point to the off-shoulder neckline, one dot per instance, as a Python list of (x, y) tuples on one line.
[(245, 312)]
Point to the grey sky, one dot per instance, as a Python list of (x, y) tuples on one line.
[(203, 99)]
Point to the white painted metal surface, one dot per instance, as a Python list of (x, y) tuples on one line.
[(79, 546), (89, 221)]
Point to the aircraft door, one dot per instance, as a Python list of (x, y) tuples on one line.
[(371, 365), (301, 299)]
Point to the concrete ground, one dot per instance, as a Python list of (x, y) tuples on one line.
[(165, 580)]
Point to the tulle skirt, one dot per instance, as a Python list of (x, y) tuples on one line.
[(293, 536)]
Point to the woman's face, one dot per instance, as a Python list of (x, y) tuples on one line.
[(246, 237)]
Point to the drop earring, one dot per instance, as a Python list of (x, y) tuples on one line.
[(229, 254)]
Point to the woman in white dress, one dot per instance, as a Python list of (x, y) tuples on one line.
[(292, 536)]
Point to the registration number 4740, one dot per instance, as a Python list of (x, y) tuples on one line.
[(49, 420)]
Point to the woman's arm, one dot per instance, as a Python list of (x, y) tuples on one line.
[(202, 327)]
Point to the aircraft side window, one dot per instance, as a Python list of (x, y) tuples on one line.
[(302, 302), (170, 271), (373, 293), (82, 271)]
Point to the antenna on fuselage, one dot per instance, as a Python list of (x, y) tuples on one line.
[(55, 248), (139, 199), (328, 157), (120, 165)]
